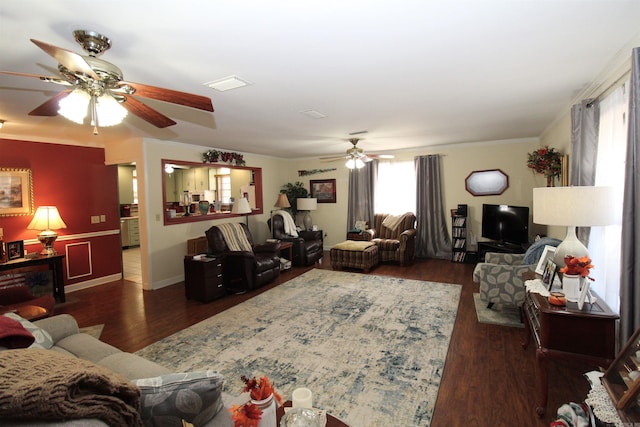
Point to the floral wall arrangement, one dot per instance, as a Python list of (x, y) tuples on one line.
[(215, 156), (546, 161)]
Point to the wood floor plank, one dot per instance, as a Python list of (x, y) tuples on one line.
[(488, 380)]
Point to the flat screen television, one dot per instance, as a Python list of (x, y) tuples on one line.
[(506, 224)]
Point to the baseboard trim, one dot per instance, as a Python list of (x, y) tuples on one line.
[(93, 282)]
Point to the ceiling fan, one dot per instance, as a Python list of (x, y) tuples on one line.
[(97, 86), (356, 158)]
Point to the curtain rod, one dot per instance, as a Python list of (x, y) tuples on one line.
[(607, 90)]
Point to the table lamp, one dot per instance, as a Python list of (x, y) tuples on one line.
[(282, 202), (582, 206), (47, 219), (241, 207), (307, 204)]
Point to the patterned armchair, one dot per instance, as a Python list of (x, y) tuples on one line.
[(500, 275), (396, 242)]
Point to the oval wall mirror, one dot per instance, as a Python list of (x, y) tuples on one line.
[(487, 182)]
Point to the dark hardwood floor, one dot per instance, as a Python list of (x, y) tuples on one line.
[(488, 380)]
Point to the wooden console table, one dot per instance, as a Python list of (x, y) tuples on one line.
[(55, 265), (568, 333)]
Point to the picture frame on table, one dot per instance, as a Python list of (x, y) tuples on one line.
[(324, 190), (549, 273), (15, 250), (547, 254), (16, 192)]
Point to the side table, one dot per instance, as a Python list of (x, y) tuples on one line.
[(287, 246), (203, 278), (568, 333), (331, 420)]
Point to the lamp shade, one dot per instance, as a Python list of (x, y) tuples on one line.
[(582, 206), (282, 201), (241, 206), (46, 218), (308, 204)]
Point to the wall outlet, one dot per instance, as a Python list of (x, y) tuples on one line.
[(103, 218), (95, 219)]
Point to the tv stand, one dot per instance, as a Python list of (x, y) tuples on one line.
[(501, 247)]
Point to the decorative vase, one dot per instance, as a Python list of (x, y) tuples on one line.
[(571, 286), (268, 408), (203, 207), (551, 181)]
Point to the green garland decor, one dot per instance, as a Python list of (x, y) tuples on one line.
[(215, 156), (313, 171)]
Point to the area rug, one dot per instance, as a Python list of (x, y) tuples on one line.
[(371, 348), (504, 315)]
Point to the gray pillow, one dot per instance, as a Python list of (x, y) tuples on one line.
[(195, 397), (42, 337)]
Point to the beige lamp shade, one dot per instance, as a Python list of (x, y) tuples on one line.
[(282, 201), (582, 206), (47, 219), (241, 206), (307, 204)]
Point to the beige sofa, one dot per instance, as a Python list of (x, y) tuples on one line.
[(153, 380)]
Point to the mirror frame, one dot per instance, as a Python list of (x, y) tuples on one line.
[(489, 182), (257, 179)]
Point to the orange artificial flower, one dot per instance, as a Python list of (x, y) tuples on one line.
[(260, 389), (577, 266), (247, 415)]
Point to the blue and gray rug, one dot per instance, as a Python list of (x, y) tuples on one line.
[(371, 348)]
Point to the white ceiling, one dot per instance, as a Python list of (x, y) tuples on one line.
[(412, 73)]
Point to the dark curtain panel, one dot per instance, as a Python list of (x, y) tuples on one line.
[(432, 238), (630, 273), (585, 120), (362, 183)]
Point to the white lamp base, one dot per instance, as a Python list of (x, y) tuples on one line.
[(307, 221), (569, 246)]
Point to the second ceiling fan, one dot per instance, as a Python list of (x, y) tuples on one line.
[(355, 156)]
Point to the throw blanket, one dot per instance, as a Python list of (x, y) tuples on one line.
[(38, 384), (289, 223), (392, 221), (235, 237)]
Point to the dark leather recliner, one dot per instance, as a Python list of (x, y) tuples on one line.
[(307, 247), (243, 270)]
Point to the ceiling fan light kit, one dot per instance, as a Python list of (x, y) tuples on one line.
[(99, 89), (356, 158)]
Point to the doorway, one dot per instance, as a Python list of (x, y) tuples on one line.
[(129, 226)]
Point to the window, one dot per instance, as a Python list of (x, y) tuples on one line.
[(396, 188), (223, 183), (604, 242)]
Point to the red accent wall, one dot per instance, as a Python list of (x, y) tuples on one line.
[(76, 180)]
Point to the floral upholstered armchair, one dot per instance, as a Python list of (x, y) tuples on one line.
[(501, 274)]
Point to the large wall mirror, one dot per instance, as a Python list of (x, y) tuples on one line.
[(204, 191)]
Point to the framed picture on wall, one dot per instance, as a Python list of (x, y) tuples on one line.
[(16, 192), (324, 190)]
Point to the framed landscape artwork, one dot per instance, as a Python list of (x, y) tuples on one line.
[(16, 192), (324, 190)]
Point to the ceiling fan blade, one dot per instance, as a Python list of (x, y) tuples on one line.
[(147, 113), (49, 79), (70, 60), (381, 156), (50, 108), (169, 95)]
